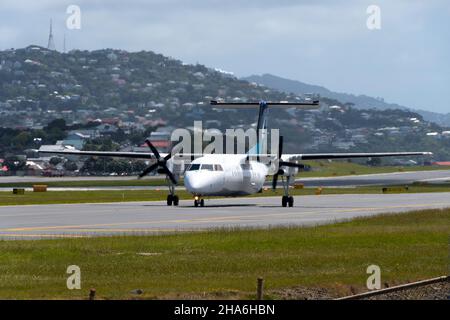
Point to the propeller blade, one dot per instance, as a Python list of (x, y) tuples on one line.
[(274, 181), (154, 150), (148, 170), (169, 174), (167, 157), (280, 147)]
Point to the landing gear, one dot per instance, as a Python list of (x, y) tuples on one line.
[(199, 202), (287, 200), (172, 198)]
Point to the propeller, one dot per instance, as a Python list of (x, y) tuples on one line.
[(161, 163), (282, 163)]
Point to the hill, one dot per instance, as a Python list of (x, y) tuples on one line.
[(135, 92), (359, 101)]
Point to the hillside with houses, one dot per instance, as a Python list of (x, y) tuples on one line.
[(114, 100)]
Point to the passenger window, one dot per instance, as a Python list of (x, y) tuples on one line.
[(194, 166), (208, 167)]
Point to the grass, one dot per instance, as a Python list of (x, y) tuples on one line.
[(226, 263), (58, 197)]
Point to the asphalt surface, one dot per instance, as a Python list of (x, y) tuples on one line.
[(81, 220)]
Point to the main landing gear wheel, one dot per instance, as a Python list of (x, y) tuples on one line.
[(200, 203), (172, 200), (287, 201)]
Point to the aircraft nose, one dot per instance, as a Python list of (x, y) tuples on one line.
[(195, 184)]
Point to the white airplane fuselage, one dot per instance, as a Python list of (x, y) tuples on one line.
[(225, 175)]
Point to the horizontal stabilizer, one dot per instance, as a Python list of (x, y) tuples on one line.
[(249, 105)]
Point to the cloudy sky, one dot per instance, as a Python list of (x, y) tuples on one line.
[(318, 42)]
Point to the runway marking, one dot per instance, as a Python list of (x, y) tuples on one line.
[(236, 218)]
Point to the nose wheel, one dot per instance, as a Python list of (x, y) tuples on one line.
[(172, 199), (199, 202)]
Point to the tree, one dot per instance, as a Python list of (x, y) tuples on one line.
[(56, 130), (70, 166), (22, 140), (54, 161), (14, 163)]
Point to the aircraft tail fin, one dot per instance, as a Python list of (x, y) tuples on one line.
[(263, 107)]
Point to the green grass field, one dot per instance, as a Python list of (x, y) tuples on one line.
[(55, 197), (226, 263)]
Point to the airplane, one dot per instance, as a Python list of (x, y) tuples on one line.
[(233, 175)]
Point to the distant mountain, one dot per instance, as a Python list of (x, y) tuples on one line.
[(360, 101)]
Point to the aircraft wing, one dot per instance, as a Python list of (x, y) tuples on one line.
[(115, 154), (135, 155), (319, 156)]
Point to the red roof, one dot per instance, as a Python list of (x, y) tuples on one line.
[(159, 143), (442, 163)]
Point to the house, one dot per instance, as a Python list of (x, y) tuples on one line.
[(76, 140), (106, 128), (161, 139)]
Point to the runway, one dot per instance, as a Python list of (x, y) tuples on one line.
[(83, 220)]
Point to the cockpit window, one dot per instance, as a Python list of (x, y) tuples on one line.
[(194, 166), (208, 167)]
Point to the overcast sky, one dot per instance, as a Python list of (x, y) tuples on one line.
[(318, 42)]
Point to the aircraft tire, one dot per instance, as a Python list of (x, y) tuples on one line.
[(291, 201), (284, 201), (176, 200), (169, 200)]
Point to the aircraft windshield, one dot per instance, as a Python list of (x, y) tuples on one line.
[(207, 167), (194, 167)]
